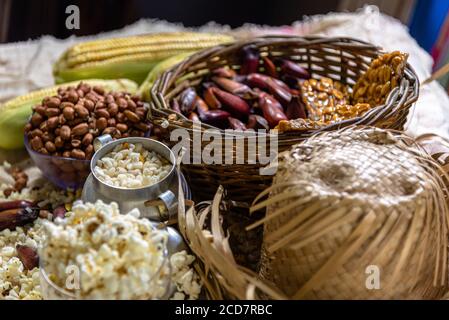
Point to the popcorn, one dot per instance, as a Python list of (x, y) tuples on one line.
[(185, 278), (18, 283), (15, 281), (119, 256), (131, 166)]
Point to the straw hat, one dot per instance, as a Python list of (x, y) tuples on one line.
[(360, 213)]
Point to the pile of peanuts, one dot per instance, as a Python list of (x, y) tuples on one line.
[(20, 181), (131, 166), (66, 124)]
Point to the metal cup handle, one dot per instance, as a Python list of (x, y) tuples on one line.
[(101, 141), (166, 203)]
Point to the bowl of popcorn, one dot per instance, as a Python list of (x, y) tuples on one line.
[(135, 172), (98, 253)]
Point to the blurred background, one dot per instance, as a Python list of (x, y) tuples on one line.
[(21, 20), (28, 19)]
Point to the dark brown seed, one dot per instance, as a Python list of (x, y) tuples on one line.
[(51, 112), (72, 97), (120, 117), (91, 96), (69, 113), (75, 122), (66, 104), (65, 132), (28, 127), (48, 136), (20, 183), (50, 146), (7, 192), (89, 105), (141, 112), (100, 105), (28, 256), (99, 90), (59, 143), (89, 151), (122, 104), (132, 116), (88, 138), (53, 122), (122, 127), (81, 111), (80, 93), (102, 113), (40, 109), (80, 130), (36, 133), (36, 119), (43, 126), (109, 130), (62, 119), (109, 99), (101, 123), (142, 126), (36, 143), (131, 105), (236, 124), (53, 102), (113, 109), (78, 154)]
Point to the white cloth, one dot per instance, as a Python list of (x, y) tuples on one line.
[(26, 66)]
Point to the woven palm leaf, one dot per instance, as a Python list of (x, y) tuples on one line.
[(343, 202)]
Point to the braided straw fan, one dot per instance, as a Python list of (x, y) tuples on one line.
[(347, 200)]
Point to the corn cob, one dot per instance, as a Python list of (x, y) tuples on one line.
[(164, 65), (130, 57), (14, 113)]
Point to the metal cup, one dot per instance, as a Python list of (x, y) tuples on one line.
[(156, 202)]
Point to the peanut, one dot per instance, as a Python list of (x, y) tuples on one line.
[(87, 139), (113, 109), (53, 122), (89, 105), (36, 143), (53, 102), (78, 154), (51, 112), (132, 116), (101, 124), (80, 130), (81, 111), (50, 146), (69, 113), (36, 119), (102, 113), (65, 132)]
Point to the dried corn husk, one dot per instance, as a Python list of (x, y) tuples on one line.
[(347, 200), (222, 277)]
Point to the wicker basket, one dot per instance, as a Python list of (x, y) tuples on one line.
[(342, 59), (357, 214), (333, 278)]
